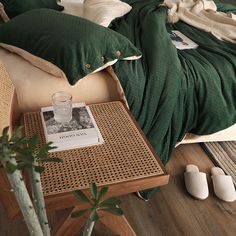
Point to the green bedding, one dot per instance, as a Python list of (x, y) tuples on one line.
[(172, 92), (77, 46)]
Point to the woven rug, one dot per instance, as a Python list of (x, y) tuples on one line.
[(223, 154)]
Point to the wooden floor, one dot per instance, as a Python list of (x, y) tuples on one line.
[(170, 212), (173, 212)]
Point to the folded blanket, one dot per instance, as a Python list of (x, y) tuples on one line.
[(203, 14)]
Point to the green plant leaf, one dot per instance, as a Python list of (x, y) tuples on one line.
[(5, 131), (102, 193), (10, 168), (6, 151), (21, 140), (39, 169), (110, 201), (93, 190), (81, 196), (114, 210), (23, 151), (15, 134), (32, 142), (94, 216), (27, 159), (21, 165), (78, 213), (5, 136), (43, 151)]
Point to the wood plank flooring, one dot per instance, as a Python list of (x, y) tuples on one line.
[(170, 212), (173, 212)]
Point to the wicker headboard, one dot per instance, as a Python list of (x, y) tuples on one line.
[(8, 100)]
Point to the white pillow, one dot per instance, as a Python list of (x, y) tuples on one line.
[(103, 12), (72, 7)]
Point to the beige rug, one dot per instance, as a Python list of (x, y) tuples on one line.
[(223, 154)]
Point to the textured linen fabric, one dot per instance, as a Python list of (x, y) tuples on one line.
[(203, 14), (172, 92), (77, 46), (103, 12), (16, 7)]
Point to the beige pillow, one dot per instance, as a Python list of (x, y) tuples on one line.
[(75, 8), (103, 12), (34, 86), (3, 14)]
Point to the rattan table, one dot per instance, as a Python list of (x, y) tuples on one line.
[(125, 162)]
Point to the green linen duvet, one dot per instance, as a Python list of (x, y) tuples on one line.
[(170, 91)]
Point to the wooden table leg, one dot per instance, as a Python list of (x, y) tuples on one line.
[(117, 224), (8, 198), (71, 226)]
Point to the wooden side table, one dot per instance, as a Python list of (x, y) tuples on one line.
[(125, 163)]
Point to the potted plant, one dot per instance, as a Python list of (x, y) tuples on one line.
[(96, 205), (17, 153)]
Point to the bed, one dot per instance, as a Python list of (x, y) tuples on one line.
[(176, 96)]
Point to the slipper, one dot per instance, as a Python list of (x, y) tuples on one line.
[(196, 182), (223, 185)]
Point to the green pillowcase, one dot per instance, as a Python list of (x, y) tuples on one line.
[(16, 7), (76, 45)]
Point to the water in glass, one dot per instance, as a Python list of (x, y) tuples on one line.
[(62, 106)]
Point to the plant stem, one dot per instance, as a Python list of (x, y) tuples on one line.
[(23, 199), (39, 199), (88, 227)]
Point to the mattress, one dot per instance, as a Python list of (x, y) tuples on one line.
[(35, 87)]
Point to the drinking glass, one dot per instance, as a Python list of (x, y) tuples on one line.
[(62, 106)]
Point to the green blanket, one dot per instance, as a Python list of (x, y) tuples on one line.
[(172, 92)]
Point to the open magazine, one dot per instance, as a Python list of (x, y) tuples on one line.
[(181, 41), (81, 131)]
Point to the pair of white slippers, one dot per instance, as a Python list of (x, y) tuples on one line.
[(196, 183)]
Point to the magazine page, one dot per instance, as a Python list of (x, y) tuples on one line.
[(181, 41), (81, 131)]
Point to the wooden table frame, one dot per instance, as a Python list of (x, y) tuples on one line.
[(118, 224)]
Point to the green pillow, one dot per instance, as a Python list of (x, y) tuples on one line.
[(76, 45), (16, 7)]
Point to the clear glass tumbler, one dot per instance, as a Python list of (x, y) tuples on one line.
[(62, 106)]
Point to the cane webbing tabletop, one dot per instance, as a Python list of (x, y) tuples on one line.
[(6, 96), (123, 156)]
